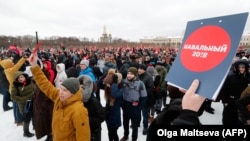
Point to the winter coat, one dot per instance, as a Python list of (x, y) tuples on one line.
[(4, 82), (113, 113), (107, 66), (70, 118), (50, 70), (88, 71), (61, 75), (235, 83), (20, 92), (96, 114), (134, 91), (149, 85), (42, 113), (95, 109), (11, 70), (243, 106)]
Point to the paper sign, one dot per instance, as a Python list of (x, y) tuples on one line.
[(208, 48)]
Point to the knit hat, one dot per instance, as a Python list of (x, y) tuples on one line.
[(84, 62), (143, 67), (133, 70), (72, 84)]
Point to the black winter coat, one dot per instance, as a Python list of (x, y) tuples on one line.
[(149, 85), (96, 114)]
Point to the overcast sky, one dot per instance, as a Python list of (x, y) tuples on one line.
[(127, 19)]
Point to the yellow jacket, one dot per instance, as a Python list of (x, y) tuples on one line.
[(10, 69), (70, 121)]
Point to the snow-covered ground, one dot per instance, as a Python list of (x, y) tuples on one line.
[(11, 132)]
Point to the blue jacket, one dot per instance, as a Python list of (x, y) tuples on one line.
[(88, 71)]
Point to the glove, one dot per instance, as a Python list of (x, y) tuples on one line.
[(115, 79)]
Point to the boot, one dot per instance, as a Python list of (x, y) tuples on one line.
[(19, 124), (145, 130), (26, 132), (124, 138)]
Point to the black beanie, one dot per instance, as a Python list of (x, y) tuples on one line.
[(72, 84), (133, 70)]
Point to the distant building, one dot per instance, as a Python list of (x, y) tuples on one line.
[(245, 40), (177, 41), (169, 41), (105, 38)]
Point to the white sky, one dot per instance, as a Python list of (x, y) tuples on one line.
[(126, 19)]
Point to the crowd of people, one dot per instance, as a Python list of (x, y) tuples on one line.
[(65, 85)]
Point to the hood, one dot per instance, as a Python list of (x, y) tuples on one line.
[(18, 73), (238, 62), (151, 70), (60, 67), (49, 65), (7, 63), (85, 80)]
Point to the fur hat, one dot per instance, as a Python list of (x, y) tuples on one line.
[(133, 70), (119, 75), (72, 84), (84, 62), (109, 77), (85, 80)]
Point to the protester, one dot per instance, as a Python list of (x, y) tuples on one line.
[(134, 97), (95, 110), (86, 70), (244, 107), (113, 96), (231, 90), (10, 70), (42, 112), (22, 90), (60, 75), (70, 117), (148, 81)]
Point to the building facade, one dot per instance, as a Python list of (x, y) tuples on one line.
[(105, 38)]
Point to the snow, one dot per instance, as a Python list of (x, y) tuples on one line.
[(11, 132)]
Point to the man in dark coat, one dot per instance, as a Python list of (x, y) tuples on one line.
[(149, 85), (231, 91), (95, 110)]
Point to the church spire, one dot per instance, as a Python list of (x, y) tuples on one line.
[(104, 30)]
